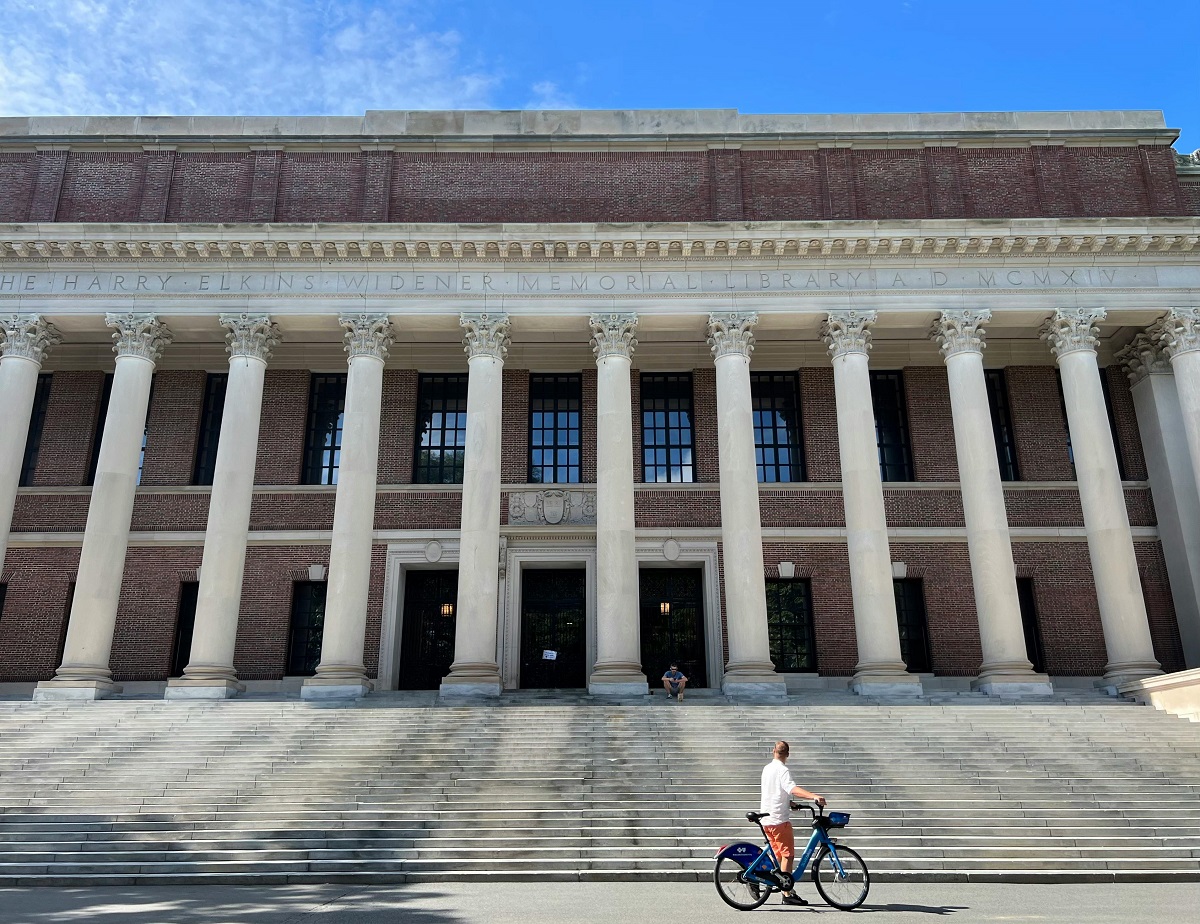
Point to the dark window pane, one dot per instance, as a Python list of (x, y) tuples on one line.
[(667, 404), (427, 638), (554, 402), (185, 622), (777, 432), (1034, 648), (1002, 429), (210, 428), (891, 426), (37, 421), (307, 626), (790, 626), (1062, 403), (441, 429), (98, 433), (326, 416), (914, 632)]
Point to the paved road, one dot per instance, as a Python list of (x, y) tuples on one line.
[(586, 903)]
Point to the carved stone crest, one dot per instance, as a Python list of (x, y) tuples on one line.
[(551, 507)]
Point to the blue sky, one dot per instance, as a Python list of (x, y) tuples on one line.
[(198, 57)]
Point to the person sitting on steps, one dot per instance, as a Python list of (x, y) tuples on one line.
[(778, 788), (674, 682)]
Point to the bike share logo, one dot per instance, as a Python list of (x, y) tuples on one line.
[(741, 850)]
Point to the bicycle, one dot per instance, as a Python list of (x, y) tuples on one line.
[(745, 874)]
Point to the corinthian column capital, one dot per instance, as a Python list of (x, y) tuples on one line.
[(960, 331), (731, 334), (848, 332), (613, 335), (28, 336), (1181, 331), (142, 335), (486, 335), (1073, 330), (368, 334), (252, 335), (1145, 355)]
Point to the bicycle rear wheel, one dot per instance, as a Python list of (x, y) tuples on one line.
[(735, 891), (846, 891)]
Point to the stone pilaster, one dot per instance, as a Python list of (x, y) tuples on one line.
[(1005, 669), (1074, 337), (475, 670), (24, 342), (139, 340), (618, 669), (210, 673), (880, 667), (341, 672), (749, 670)]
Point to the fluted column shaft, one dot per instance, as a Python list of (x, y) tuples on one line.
[(84, 672), (1074, 338), (1181, 339), (475, 670), (749, 669), (341, 671), (210, 673), (880, 667), (24, 340), (618, 669), (1005, 669)]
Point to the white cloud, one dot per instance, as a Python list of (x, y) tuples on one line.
[(547, 95), (226, 57)]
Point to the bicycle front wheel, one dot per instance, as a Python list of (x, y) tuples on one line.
[(735, 891), (846, 889)]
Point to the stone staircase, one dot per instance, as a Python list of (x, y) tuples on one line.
[(396, 788)]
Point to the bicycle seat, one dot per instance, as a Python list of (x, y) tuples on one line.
[(753, 817)]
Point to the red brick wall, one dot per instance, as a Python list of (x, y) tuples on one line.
[(930, 423), (284, 419), (587, 427), (514, 447), (1126, 436), (818, 413), (723, 185), (71, 416), (704, 425), (1039, 426), (398, 426), (1189, 194), (172, 427)]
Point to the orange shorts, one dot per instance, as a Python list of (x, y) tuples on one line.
[(783, 840)]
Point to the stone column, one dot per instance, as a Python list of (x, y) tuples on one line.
[(24, 341), (1006, 670), (1073, 337), (341, 673), (84, 673), (210, 673), (618, 669), (1172, 479), (880, 669), (1180, 337), (749, 670), (474, 671)]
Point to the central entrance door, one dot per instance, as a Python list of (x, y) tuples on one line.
[(427, 640), (553, 628), (672, 607)]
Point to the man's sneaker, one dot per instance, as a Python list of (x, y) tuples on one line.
[(794, 899)]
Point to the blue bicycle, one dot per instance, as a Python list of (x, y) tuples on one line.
[(745, 874)]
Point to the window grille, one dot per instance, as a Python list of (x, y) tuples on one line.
[(667, 443), (441, 429), (210, 428), (326, 417), (777, 438), (37, 422), (554, 443), (306, 628), (790, 626), (1002, 428), (891, 426)]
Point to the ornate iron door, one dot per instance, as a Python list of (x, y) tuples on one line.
[(672, 606), (553, 629), (427, 644)]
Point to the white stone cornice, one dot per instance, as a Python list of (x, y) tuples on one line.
[(252, 335), (848, 332), (486, 335), (368, 335), (1145, 355), (1072, 330), (960, 331), (732, 334), (613, 335), (142, 335), (1181, 331), (28, 336)]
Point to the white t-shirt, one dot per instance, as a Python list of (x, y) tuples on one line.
[(777, 786)]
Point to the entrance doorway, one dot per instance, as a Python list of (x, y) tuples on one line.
[(427, 642), (672, 611), (553, 628)]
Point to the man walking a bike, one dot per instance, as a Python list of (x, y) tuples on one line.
[(778, 789)]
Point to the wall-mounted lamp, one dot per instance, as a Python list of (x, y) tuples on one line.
[(664, 608), (447, 609)]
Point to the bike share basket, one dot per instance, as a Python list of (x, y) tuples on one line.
[(839, 819)]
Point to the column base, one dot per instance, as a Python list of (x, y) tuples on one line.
[(1117, 674), (754, 682), (471, 679), (1019, 683), (618, 681), (884, 682), (326, 688), (184, 688), (74, 691)]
